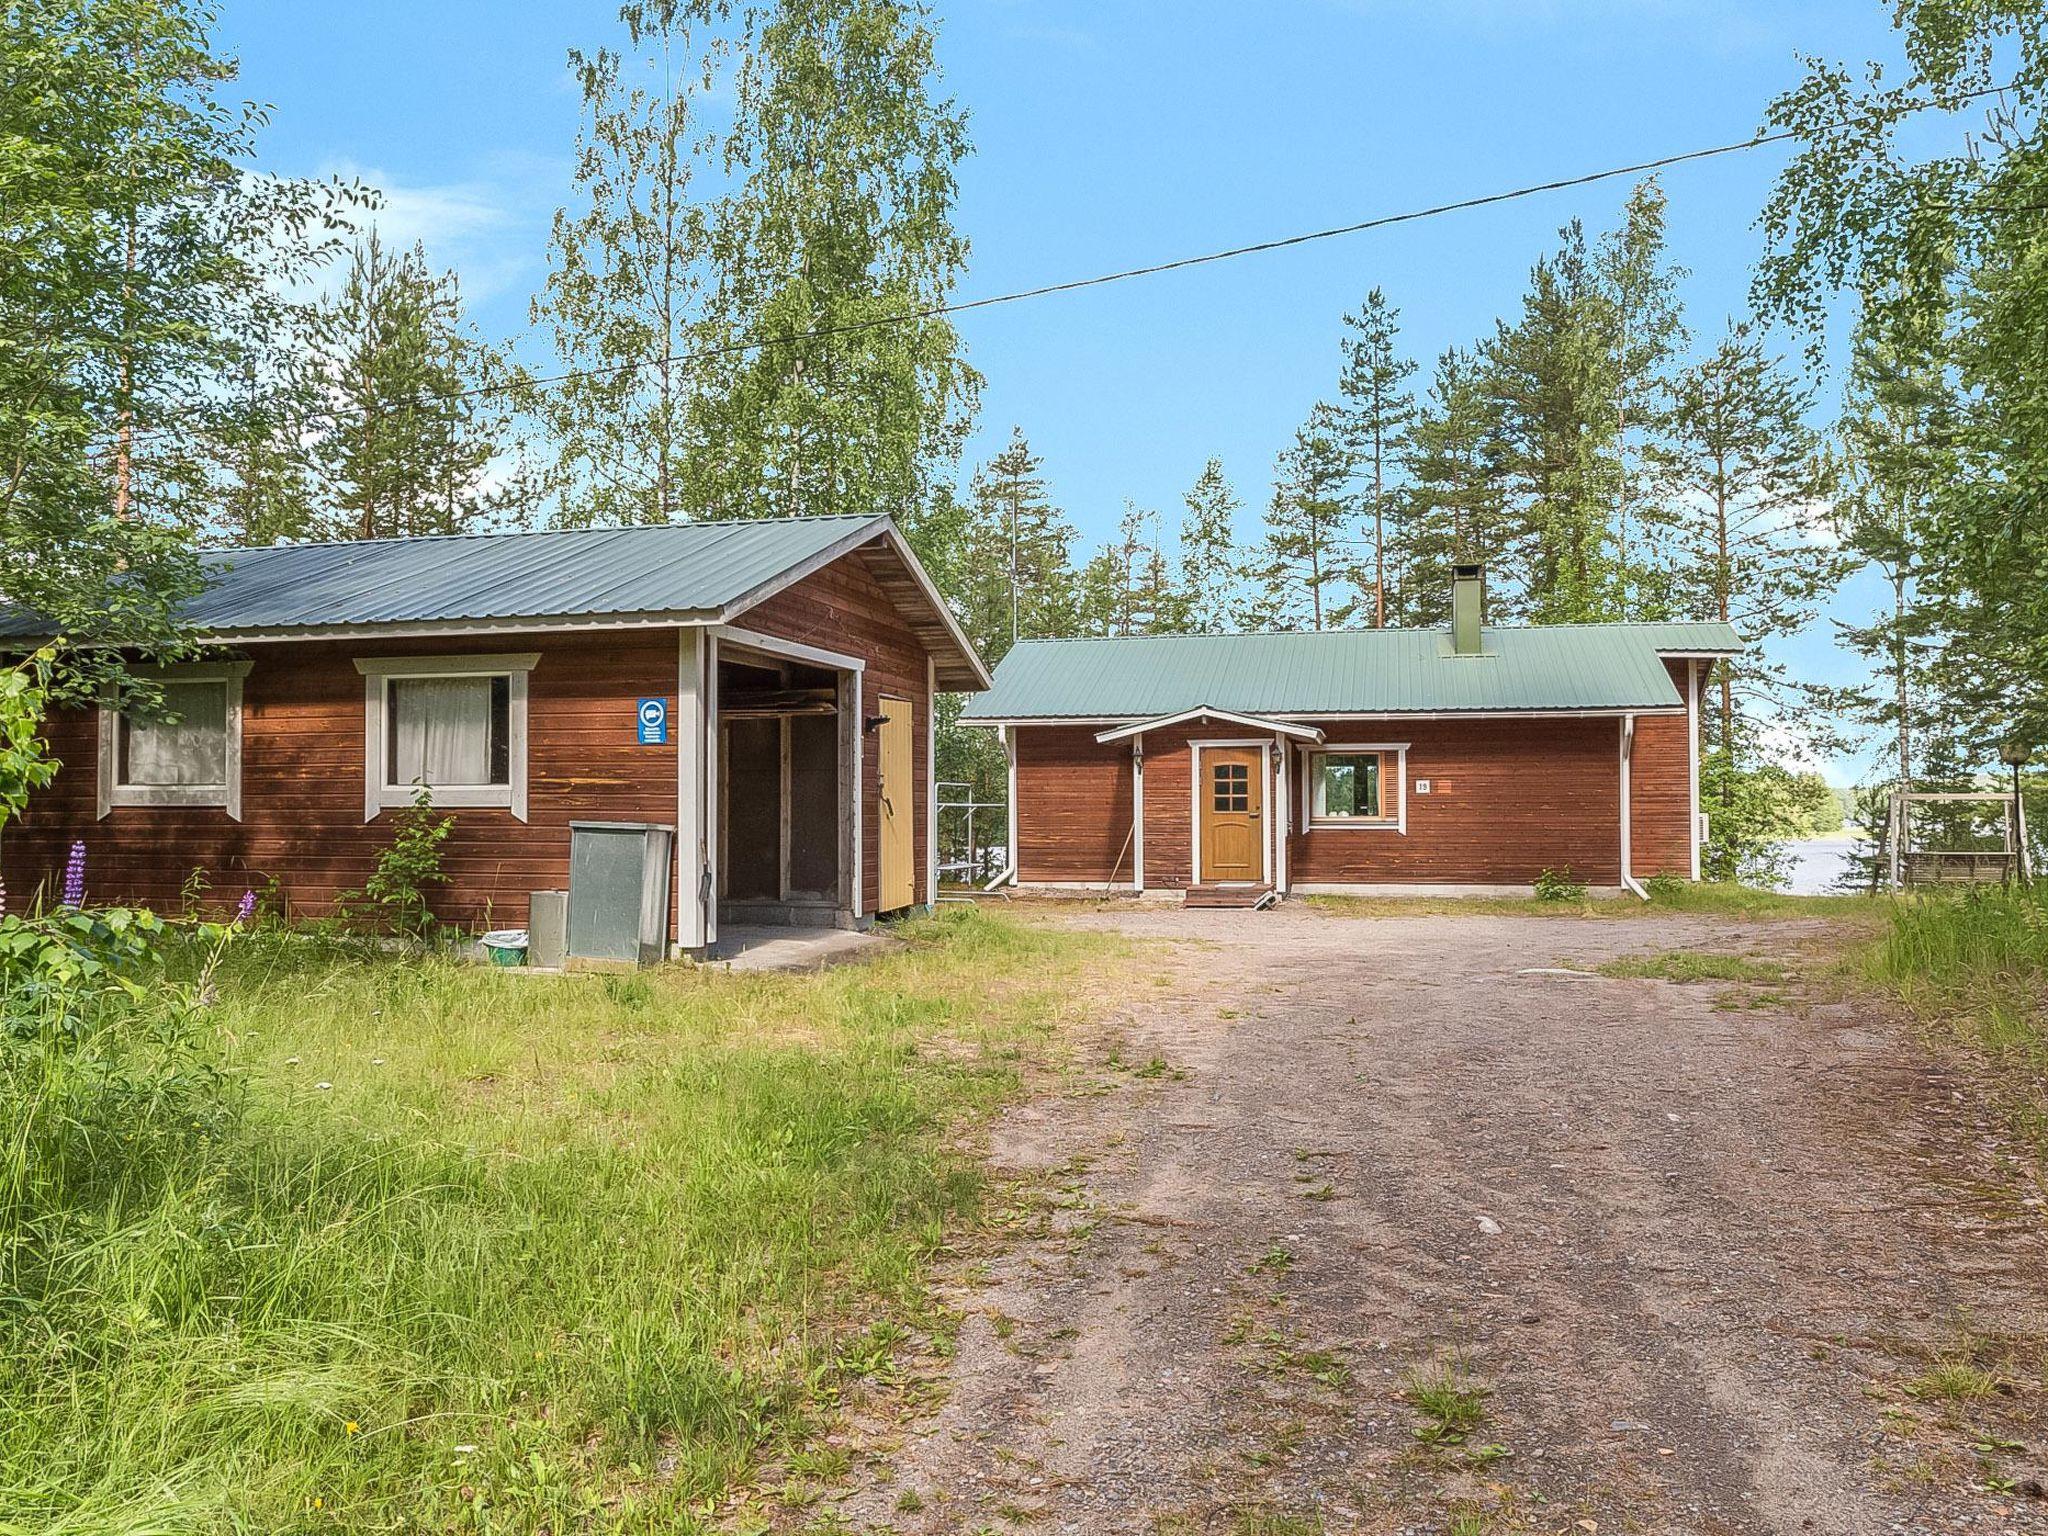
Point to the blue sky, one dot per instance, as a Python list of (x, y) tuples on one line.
[(1111, 133)]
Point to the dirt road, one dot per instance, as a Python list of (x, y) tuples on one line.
[(1678, 1257)]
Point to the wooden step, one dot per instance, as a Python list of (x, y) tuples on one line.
[(1226, 895)]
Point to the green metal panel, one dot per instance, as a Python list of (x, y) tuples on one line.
[(674, 568), (618, 890), (1551, 667)]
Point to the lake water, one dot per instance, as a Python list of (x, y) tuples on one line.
[(1818, 863)]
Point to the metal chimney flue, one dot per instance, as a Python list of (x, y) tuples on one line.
[(1468, 608)]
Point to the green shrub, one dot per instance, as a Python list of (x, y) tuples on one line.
[(1558, 885), (394, 898)]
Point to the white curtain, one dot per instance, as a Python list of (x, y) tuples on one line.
[(441, 730), (193, 749)]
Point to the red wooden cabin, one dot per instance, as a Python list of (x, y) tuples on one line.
[(765, 688), (1356, 761)]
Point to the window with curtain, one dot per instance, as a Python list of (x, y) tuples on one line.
[(1346, 787), (185, 746), (448, 732)]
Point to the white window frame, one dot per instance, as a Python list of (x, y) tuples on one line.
[(1397, 751), (378, 674), (226, 796)]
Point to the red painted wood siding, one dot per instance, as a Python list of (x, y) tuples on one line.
[(302, 784), (842, 608), (1509, 798), (1074, 804), (1660, 791)]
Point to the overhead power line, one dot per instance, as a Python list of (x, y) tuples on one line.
[(1104, 279)]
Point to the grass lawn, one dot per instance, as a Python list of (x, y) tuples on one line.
[(477, 1251), (1665, 896)]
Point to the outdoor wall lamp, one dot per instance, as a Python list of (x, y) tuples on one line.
[(2014, 753), (872, 723)]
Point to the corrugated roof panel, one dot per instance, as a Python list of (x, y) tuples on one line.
[(1401, 671), (585, 573)]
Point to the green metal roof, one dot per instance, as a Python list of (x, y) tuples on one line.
[(1332, 672), (697, 573), (582, 573)]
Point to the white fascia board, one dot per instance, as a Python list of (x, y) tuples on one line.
[(995, 722), (775, 645), (1228, 717)]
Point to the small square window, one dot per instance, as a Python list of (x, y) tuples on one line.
[(452, 724)]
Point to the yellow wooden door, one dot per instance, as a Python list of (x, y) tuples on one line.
[(899, 808), (1232, 788)]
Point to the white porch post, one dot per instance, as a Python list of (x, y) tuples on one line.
[(1692, 758), (1282, 822), (931, 784), (695, 921), (1010, 753), (1138, 814)]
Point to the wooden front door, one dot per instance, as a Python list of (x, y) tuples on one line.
[(1233, 806), (899, 807)]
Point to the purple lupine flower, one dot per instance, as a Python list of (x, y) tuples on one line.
[(74, 876), (3, 898), (246, 907)]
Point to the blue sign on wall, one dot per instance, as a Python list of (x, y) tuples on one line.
[(654, 722)]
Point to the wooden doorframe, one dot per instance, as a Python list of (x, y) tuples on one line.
[(1266, 819)]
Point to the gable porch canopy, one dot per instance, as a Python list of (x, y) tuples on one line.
[(1287, 728)]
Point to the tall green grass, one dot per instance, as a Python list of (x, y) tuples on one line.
[(1975, 965), (1978, 959), (473, 1251)]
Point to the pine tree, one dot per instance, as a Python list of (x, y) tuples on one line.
[(1372, 424), (1303, 567), (1457, 509), (1552, 376), (1646, 332), (407, 425), (1743, 479), (1211, 575), (1125, 588), (1897, 437), (1022, 583), (267, 494)]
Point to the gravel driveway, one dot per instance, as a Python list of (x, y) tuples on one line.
[(1692, 1252)]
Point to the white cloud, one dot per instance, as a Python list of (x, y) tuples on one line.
[(490, 229)]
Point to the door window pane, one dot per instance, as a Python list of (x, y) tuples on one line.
[(1231, 785)]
